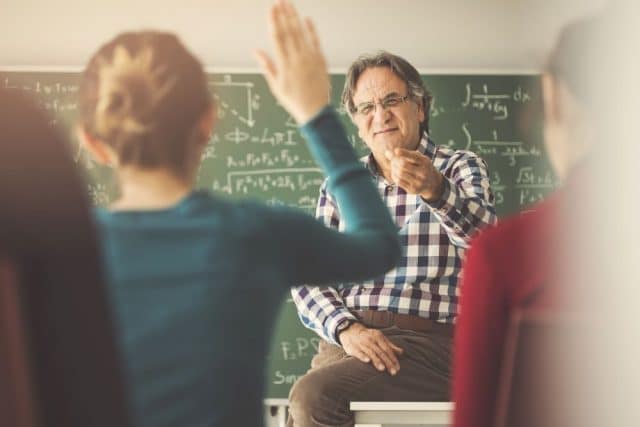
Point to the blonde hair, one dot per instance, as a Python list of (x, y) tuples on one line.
[(143, 94)]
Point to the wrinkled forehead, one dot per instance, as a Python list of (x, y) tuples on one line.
[(377, 82)]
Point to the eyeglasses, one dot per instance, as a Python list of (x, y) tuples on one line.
[(367, 108)]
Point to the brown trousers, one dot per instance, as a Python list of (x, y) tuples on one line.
[(322, 396)]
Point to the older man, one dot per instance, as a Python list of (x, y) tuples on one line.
[(390, 338)]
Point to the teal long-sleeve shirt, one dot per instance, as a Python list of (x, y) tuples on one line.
[(196, 287)]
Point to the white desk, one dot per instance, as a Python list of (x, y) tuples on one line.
[(275, 412), (377, 414)]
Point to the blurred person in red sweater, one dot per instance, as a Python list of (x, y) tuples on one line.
[(552, 259)]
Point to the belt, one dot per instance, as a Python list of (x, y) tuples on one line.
[(386, 319)]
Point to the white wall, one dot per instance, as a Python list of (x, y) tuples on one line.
[(432, 34)]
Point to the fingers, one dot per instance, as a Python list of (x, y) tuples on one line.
[(370, 345), (312, 34), (407, 184), (277, 31), (296, 73), (396, 349), (391, 348), (288, 33), (360, 355), (410, 155), (411, 170), (379, 360), (268, 67), (382, 357), (407, 159), (376, 361), (387, 356), (401, 169), (407, 169), (293, 26), (413, 157)]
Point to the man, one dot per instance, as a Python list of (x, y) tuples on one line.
[(390, 338)]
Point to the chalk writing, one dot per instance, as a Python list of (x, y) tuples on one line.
[(257, 151)]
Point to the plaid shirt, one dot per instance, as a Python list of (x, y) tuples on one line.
[(434, 237)]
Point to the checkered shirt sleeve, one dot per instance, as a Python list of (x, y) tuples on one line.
[(467, 202), (320, 308)]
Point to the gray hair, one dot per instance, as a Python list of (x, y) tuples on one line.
[(401, 68)]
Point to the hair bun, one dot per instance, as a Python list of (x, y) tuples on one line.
[(143, 94), (130, 90)]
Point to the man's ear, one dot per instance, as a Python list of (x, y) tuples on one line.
[(100, 152), (422, 115)]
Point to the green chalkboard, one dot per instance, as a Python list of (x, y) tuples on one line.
[(257, 152)]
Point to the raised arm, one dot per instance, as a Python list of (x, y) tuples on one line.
[(321, 308), (315, 254)]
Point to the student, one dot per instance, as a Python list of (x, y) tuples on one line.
[(520, 264), (196, 280), (48, 240)]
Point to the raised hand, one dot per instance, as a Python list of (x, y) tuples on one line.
[(297, 75)]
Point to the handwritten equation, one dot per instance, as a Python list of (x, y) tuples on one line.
[(257, 150), (496, 103)]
